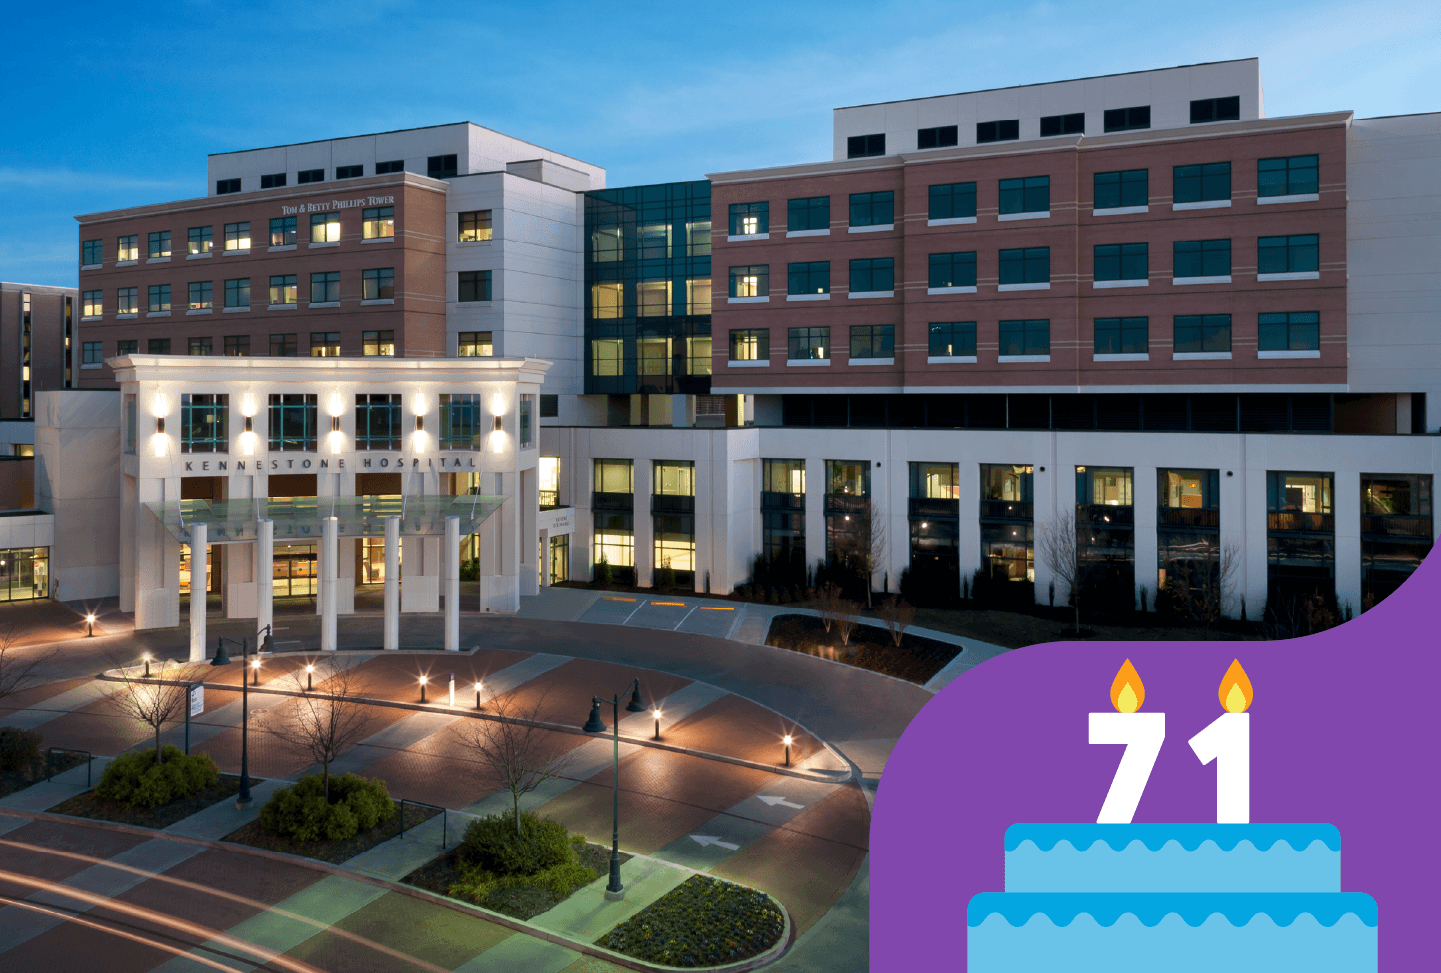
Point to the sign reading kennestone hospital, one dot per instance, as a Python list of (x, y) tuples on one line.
[(335, 204), (358, 464)]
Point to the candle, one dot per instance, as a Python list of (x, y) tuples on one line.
[(1228, 742), (1142, 733)]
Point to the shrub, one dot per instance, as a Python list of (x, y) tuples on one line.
[(492, 844), (470, 569), (136, 780), (18, 748), (301, 812), (603, 574)]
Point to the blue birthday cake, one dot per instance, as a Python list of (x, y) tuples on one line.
[(1185, 898)]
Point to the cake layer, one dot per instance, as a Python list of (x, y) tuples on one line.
[(1175, 932), (1173, 858)]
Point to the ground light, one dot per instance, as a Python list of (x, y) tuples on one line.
[(656, 713), (787, 740), (146, 657), (309, 676), (422, 688), (255, 669), (477, 695), (90, 621), (614, 889)]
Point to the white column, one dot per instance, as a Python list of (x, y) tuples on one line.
[(329, 551), (1345, 492), (452, 584), (264, 569), (1146, 544), (392, 583), (197, 592)]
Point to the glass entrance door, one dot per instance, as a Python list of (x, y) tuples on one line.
[(293, 571), (560, 558), (24, 574)]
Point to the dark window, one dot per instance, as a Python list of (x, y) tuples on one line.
[(527, 424), (203, 420), (937, 138), (1288, 254), (282, 231), (474, 226), (382, 168), (325, 344), (1202, 333), (750, 281), (292, 421), (860, 146), (951, 201), (871, 275), (1116, 189), (473, 285), (474, 344), (1000, 131), (1073, 124), (158, 346), (377, 421), (160, 244), (223, 186), (1125, 119), (873, 341), (127, 300), (126, 347), (1122, 336), (952, 270), (873, 209), (377, 343), (273, 181), (310, 175), (809, 278), (325, 287), (201, 346), (748, 219), (1216, 109), (1025, 337), (550, 409), (201, 295), (1195, 184), (93, 352), (1293, 176), (283, 346), (1029, 195), (283, 290), (1202, 258), (377, 284), (809, 343), (750, 344), (159, 297), (1121, 261), (1031, 265), (92, 252), (809, 214), (953, 339), (237, 292), (349, 172), (440, 166), (237, 346), (1292, 331), (460, 417)]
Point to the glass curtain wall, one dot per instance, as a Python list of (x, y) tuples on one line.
[(783, 523), (673, 508), (934, 511), (1008, 550), (1300, 542), (1395, 531), (613, 509), (1189, 573), (1105, 539)]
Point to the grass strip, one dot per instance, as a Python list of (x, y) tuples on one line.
[(704, 921)]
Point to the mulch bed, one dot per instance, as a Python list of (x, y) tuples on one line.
[(916, 659), (702, 922), (334, 852), (34, 773), (87, 805), (439, 874)]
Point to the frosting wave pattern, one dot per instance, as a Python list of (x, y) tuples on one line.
[(1194, 908), (1190, 836)]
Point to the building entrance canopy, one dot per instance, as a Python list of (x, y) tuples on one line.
[(234, 521)]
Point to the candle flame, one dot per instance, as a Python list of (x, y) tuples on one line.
[(1235, 692), (1127, 690)]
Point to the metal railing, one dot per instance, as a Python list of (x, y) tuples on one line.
[(1398, 525), (50, 763), (1007, 510), (935, 508), (1297, 521), (770, 500), (1105, 514), (665, 503), (1187, 517), (444, 818)]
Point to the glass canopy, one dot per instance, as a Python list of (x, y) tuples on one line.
[(234, 521)]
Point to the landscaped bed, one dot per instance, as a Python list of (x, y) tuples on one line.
[(916, 659), (519, 902), (702, 922), (90, 805), (34, 771)]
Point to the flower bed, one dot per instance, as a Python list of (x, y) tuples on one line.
[(702, 922), (335, 852), (89, 805)]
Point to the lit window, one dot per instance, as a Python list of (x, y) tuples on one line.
[(126, 248), (697, 235), (653, 356), (127, 300), (750, 344), (381, 343), (283, 290), (378, 223), (201, 295), (325, 228), (698, 352), (750, 281), (652, 298), (200, 239), (605, 300), (92, 304), (653, 241), (952, 339), (324, 344), (473, 226), (282, 231), (809, 344), (607, 357), (697, 295), (237, 236), (747, 219), (474, 344)]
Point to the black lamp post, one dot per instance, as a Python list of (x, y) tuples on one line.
[(242, 800), (595, 724)]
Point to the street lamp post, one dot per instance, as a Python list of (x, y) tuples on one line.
[(242, 799), (614, 889)]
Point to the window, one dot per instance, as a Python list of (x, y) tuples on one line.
[(748, 219), (1216, 110), (653, 355), (292, 421), (282, 232), (697, 295), (1288, 254), (750, 344), (1029, 195), (607, 357), (873, 341), (325, 287), (952, 269), (474, 285), (474, 344), (92, 252), (160, 244), (950, 201), (809, 344), (283, 346), (549, 409), (199, 239), (1005, 130), (813, 213), (1294, 176), (349, 172), (159, 298), (527, 420), (605, 300), (224, 186), (1202, 258), (1197, 333), (92, 304), (1025, 338), (237, 236), (952, 339), (1126, 119), (324, 227), (383, 168), (310, 175), (848, 477), (1122, 336), (273, 181), (605, 244), (237, 346), (873, 209), (377, 421), (1122, 261), (378, 223), (1195, 184), (93, 353), (750, 281), (126, 248), (939, 137), (809, 278), (157, 346), (123, 347), (377, 284), (381, 343), (1116, 189), (200, 346), (1073, 124), (861, 146), (474, 226), (203, 420), (126, 300), (441, 166), (325, 344), (460, 421), (697, 237), (283, 290), (1030, 265), (877, 274), (237, 292), (653, 241), (547, 474), (1291, 331), (201, 295)]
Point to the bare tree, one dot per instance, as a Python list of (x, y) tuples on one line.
[(898, 616), (513, 752), (1203, 592), (1060, 554), (846, 618), (156, 701), (872, 548), (19, 670), (329, 719), (829, 601)]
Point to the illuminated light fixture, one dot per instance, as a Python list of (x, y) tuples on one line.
[(159, 425), (159, 406), (497, 404), (787, 740), (336, 405), (335, 423), (159, 444), (250, 424), (420, 423), (423, 680), (247, 407), (309, 676), (477, 695), (89, 620), (656, 713), (497, 426), (255, 670), (420, 405)]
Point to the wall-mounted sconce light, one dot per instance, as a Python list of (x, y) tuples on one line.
[(159, 425), (497, 426), (335, 423), (250, 424)]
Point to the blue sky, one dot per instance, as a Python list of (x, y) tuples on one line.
[(118, 105)]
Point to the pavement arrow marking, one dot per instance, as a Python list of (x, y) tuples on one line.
[(704, 840), (773, 801)]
